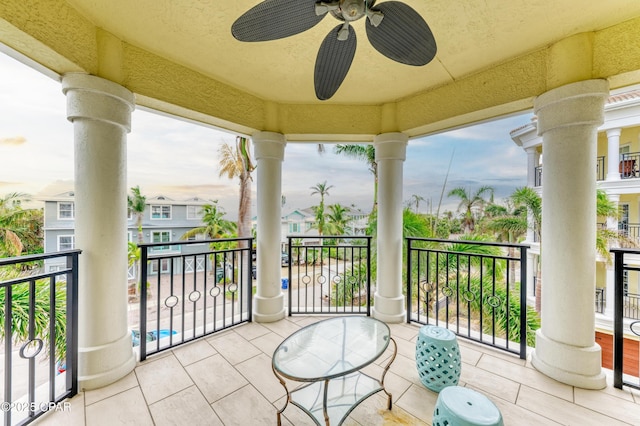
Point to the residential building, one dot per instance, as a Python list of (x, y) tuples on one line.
[(164, 220)]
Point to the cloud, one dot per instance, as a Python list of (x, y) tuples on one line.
[(16, 140)]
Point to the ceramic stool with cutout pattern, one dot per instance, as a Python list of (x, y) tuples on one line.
[(437, 357)]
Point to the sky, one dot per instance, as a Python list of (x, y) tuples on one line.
[(179, 159)]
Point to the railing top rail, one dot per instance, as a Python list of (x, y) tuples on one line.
[(193, 242), (625, 250), (330, 237), (480, 243), (36, 257)]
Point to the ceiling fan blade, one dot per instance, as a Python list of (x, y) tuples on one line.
[(403, 35), (333, 62), (275, 19)]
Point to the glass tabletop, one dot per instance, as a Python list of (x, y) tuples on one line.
[(331, 348)]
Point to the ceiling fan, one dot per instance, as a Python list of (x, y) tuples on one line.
[(393, 28)]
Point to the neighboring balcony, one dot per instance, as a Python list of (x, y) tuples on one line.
[(629, 168)]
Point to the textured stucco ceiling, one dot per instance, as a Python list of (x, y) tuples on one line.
[(471, 36), (179, 56)]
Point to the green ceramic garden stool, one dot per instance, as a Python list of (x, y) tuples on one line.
[(437, 357), (458, 406)]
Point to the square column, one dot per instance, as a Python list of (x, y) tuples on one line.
[(389, 302), (268, 303), (568, 118), (100, 111)]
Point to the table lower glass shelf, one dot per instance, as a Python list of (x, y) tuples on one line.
[(343, 395)]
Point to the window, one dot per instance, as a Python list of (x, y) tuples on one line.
[(129, 214), (294, 227), (129, 236), (66, 242), (160, 212), (161, 237), (194, 212), (66, 210)]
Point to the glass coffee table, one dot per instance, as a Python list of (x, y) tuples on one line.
[(328, 356)]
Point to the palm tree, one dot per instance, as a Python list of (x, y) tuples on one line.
[(366, 153), (337, 220), (236, 162), (322, 189), (137, 204), (415, 199), (215, 225), (21, 311), (470, 202), (20, 229)]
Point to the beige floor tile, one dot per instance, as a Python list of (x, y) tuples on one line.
[(560, 410), (69, 415), (215, 377), (161, 378), (268, 342), (233, 347), (245, 407), (284, 327), (126, 408), (522, 374), (419, 402), (608, 405), (253, 330), (469, 355), (194, 351), (187, 407), (406, 368), (513, 414), (406, 348), (490, 383), (127, 382), (259, 373), (404, 331), (373, 412)]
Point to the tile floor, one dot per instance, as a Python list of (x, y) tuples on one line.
[(227, 380)]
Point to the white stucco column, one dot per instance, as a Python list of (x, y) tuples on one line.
[(613, 154), (612, 225), (568, 118), (268, 304), (389, 302), (533, 161), (100, 111)]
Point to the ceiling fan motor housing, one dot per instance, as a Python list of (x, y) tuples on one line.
[(352, 10)]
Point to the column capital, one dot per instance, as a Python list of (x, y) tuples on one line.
[(612, 133), (391, 146), (99, 99), (574, 104), (269, 145)]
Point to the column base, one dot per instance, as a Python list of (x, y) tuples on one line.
[(572, 365), (99, 366), (389, 309), (268, 309)]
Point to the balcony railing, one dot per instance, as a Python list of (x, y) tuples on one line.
[(600, 172), (630, 231), (620, 326), (478, 290), (629, 163), (39, 335), (600, 300), (192, 291), (329, 275)]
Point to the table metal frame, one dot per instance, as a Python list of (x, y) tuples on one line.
[(348, 377)]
